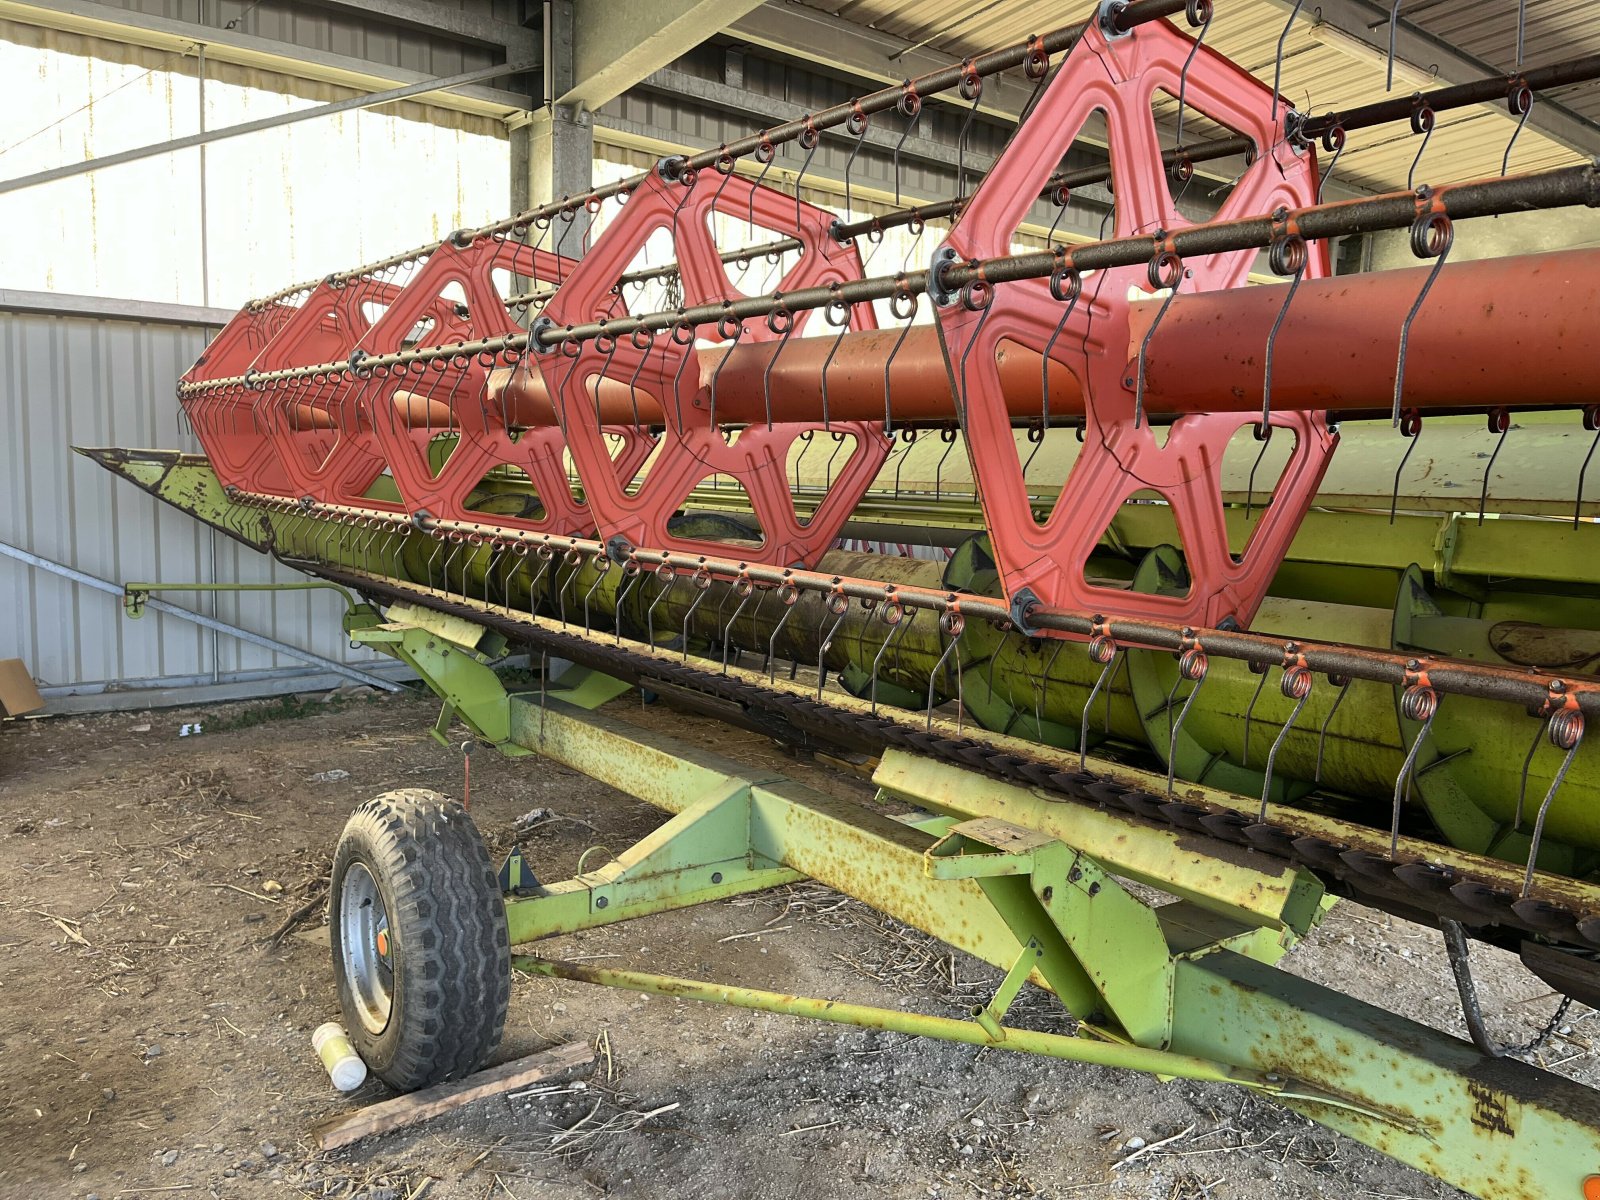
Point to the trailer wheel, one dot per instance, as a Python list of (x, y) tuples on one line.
[(418, 931)]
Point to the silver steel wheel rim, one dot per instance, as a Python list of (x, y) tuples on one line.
[(363, 924)]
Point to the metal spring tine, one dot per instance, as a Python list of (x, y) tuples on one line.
[(1036, 434), (519, 562), (838, 445), (1101, 650), (908, 438), (1418, 703), (1432, 235), (790, 596), (948, 437), (573, 559), (1591, 420), (603, 563), (857, 118), (1199, 15), (1333, 140), (816, 140), (1277, 63), (1410, 428), (1566, 730), (911, 123), (1322, 736), (1422, 121), (702, 581), (1174, 276), (844, 328), (1287, 255), (1520, 101), (767, 157), (1263, 434), (1527, 765), (839, 605), (438, 545), (910, 317), (633, 383), (1067, 285), (783, 340), (1394, 21), (805, 438), (952, 623), (727, 630), (1249, 713), (650, 613), (973, 297), (733, 344), (630, 583), (1295, 684), (1522, 29), (547, 559), (896, 630), (1192, 665), (1499, 422)]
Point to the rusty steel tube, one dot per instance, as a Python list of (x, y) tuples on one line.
[(1498, 332)]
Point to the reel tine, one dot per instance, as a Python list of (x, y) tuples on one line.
[(1166, 271), (1277, 62), (744, 589), (790, 596), (650, 613), (1343, 684), (1192, 665), (631, 574), (1199, 14), (1410, 427), (1104, 651), (1591, 420), (1527, 765), (1418, 702), (1394, 20), (951, 623), (910, 106), (897, 627), (1296, 684), (1499, 422), (1422, 122), (1520, 101), (839, 605), (907, 313), (702, 582), (1566, 731), (1250, 712), (1432, 236)]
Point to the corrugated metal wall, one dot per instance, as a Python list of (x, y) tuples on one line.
[(68, 381)]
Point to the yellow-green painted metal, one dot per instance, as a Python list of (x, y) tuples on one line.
[(989, 1034), (1352, 748), (1179, 991), (134, 595)]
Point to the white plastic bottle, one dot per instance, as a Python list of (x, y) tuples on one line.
[(339, 1057)]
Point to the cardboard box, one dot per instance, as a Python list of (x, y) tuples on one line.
[(17, 693)]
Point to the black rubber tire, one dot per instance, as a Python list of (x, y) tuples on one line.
[(447, 926)]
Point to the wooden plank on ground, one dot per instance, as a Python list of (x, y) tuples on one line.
[(430, 1102)]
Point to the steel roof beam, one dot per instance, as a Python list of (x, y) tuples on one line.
[(1368, 23), (242, 49), (617, 43)]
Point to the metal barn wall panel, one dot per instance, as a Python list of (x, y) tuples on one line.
[(68, 381)]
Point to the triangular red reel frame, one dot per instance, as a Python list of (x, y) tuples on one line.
[(666, 368), (1046, 562)]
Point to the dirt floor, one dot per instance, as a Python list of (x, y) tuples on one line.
[(158, 1039)]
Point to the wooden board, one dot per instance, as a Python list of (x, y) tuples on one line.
[(17, 693), (430, 1102)]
